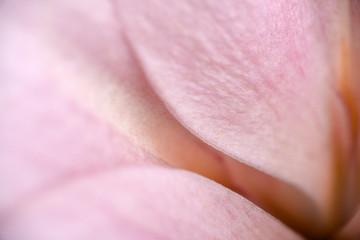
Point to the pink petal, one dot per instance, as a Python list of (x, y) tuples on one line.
[(256, 80), (100, 71), (142, 203), (46, 136), (50, 141)]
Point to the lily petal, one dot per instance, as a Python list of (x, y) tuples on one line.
[(142, 203), (100, 72), (46, 136), (256, 80)]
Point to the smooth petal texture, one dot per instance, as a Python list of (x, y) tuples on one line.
[(100, 71), (58, 177), (58, 39), (256, 80), (142, 203), (46, 136)]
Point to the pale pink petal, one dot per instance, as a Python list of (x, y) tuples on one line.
[(81, 48), (257, 80), (142, 203), (99, 71), (46, 136)]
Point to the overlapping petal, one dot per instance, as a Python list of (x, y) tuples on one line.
[(261, 81), (50, 140)]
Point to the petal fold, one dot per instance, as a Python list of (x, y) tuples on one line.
[(257, 81)]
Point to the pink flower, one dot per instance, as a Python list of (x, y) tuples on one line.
[(119, 117)]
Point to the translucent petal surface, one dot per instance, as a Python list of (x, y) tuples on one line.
[(272, 104), (142, 203), (254, 79)]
